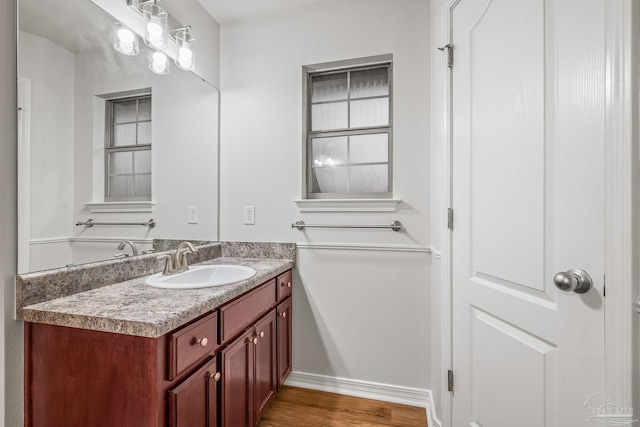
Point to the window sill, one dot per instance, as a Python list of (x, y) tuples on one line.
[(348, 205), (119, 207)]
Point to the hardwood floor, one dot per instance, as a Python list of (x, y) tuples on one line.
[(297, 407)]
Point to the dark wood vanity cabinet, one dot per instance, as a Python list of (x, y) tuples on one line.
[(220, 370), (284, 340), (194, 402), (249, 362), (265, 379), (249, 374)]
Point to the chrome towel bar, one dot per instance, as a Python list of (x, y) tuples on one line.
[(90, 223), (300, 225)]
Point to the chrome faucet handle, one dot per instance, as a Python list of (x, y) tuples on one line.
[(168, 265), (180, 256), (122, 255)]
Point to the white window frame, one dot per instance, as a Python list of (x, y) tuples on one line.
[(109, 148), (340, 67)]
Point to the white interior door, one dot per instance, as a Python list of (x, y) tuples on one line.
[(528, 112)]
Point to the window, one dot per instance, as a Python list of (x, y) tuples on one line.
[(349, 133), (128, 149)]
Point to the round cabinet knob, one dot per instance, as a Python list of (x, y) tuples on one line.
[(574, 280), (261, 334), (288, 284), (283, 314), (202, 342), (254, 340), (215, 376)]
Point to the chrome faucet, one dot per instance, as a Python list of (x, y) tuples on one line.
[(122, 245), (178, 261), (180, 255)]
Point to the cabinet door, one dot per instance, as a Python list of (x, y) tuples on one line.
[(266, 379), (193, 403), (284, 341), (237, 381)]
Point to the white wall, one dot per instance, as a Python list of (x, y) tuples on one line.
[(361, 308), (50, 70)]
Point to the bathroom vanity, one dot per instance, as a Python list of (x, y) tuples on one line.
[(131, 355)]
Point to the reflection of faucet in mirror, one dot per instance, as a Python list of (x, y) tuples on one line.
[(121, 246)]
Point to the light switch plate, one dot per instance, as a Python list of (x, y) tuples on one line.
[(249, 215), (192, 216)]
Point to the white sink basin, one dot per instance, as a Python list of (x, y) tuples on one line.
[(202, 276)]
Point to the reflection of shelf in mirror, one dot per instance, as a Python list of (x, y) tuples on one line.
[(106, 207)]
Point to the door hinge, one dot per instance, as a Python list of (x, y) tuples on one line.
[(450, 219), (449, 48), (450, 380)]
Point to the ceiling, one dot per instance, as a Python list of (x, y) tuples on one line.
[(71, 24), (229, 11)]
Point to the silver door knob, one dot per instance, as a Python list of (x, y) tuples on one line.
[(575, 279)]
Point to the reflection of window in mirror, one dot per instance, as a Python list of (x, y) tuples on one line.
[(128, 149), (349, 132)]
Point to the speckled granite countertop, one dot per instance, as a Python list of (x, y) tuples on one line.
[(134, 308)]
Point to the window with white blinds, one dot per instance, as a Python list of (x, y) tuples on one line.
[(349, 133), (128, 149)]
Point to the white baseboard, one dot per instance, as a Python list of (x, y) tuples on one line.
[(368, 390), (432, 417)]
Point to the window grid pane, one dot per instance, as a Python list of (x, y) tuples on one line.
[(353, 158), (351, 163), (130, 121), (128, 149), (367, 99)]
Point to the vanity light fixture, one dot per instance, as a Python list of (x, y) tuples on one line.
[(177, 44), (125, 41), (185, 56), (159, 63), (156, 24)]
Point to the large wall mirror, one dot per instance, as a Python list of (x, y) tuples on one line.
[(74, 92)]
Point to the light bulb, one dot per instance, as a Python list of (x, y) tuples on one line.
[(156, 42), (159, 63), (185, 57), (125, 36), (154, 30), (125, 40), (127, 48)]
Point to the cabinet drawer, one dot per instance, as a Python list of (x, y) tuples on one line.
[(241, 312), (191, 343), (284, 285)]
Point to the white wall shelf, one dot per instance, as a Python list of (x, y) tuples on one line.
[(348, 205)]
